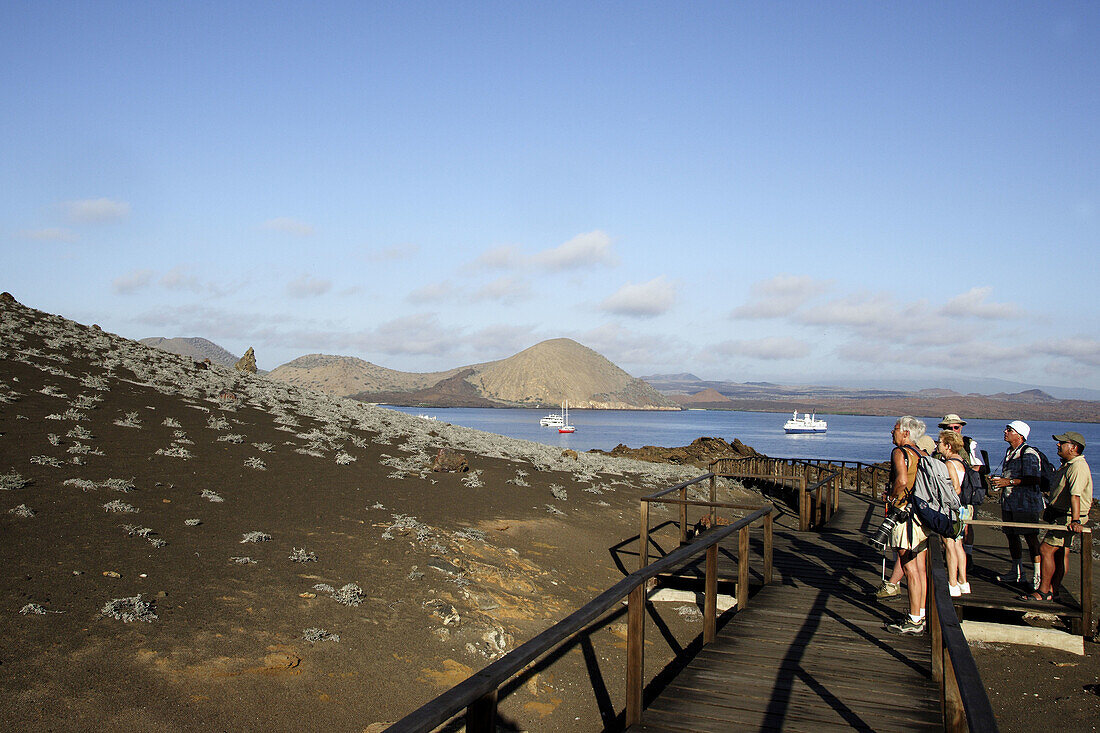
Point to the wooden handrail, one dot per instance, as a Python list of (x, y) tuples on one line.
[(965, 702), (479, 690), (817, 501)]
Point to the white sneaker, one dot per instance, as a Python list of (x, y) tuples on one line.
[(954, 590), (964, 589)]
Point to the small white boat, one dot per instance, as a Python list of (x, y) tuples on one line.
[(427, 417), (565, 426), (808, 423), (553, 420)]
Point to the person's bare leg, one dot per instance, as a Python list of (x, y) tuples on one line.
[(915, 579), (1046, 555), (897, 574), (952, 561), (1059, 569), (960, 552)]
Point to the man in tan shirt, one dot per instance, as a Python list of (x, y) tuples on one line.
[(1070, 501)]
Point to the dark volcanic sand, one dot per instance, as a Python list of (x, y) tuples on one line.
[(471, 566)]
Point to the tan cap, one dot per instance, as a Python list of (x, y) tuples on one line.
[(951, 419), (1072, 436)]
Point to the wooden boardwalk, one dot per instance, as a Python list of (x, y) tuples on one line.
[(809, 653)]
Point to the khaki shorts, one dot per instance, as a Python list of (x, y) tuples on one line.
[(902, 539), (1059, 537)]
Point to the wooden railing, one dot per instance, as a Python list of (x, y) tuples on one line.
[(817, 483), (661, 497), (963, 698), (478, 693)]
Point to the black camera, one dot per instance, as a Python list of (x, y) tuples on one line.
[(880, 540)]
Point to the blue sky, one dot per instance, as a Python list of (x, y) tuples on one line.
[(791, 191)]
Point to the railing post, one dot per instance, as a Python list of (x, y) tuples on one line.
[(767, 548), (683, 515), (954, 715), (481, 716), (643, 536), (934, 624), (742, 568), (635, 654), (803, 507), (710, 596), (859, 479), (713, 498), (1086, 581)]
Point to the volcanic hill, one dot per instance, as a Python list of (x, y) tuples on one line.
[(197, 347), (544, 374)]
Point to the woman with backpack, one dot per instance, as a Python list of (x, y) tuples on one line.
[(950, 446)]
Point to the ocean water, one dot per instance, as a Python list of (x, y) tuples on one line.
[(849, 438)]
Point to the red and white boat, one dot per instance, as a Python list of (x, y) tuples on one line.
[(566, 427)]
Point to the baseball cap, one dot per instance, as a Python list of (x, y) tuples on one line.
[(1020, 427), (1071, 435)]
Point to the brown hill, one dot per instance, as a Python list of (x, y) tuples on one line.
[(708, 396), (544, 374), (345, 375)]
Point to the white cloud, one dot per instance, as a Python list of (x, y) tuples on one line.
[(397, 252), (974, 303), (779, 296), (178, 278), (769, 348), (505, 289), (504, 257), (642, 300), (288, 225), (96, 211), (1080, 349), (307, 286), (629, 346), (583, 250), (54, 234), (496, 342), (432, 292), (418, 334), (132, 281)]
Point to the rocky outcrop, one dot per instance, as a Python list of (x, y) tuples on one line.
[(448, 460), (700, 453), (247, 362)]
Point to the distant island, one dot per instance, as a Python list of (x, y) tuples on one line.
[(556, 370), (689, 391)]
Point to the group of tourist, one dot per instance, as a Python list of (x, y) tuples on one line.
[(1032, 493)]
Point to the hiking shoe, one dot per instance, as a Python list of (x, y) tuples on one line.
[(906, 626), (888, 589), (1010, 577)]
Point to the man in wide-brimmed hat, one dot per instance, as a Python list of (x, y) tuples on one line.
[(1070, 501), (951, 421)]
